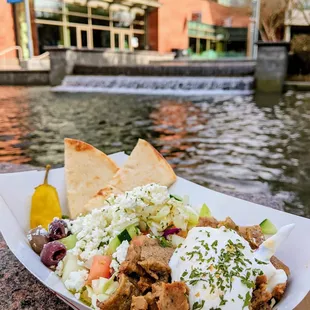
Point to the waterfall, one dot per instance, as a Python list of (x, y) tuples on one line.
[(157, 85)]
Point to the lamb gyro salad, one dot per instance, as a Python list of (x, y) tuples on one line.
[(128, 243)]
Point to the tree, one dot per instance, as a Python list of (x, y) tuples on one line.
[(273, 14), (272, 19)]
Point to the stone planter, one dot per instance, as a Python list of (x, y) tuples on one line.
[(271, 67)]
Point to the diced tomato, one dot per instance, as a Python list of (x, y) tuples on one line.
[(100, 268)]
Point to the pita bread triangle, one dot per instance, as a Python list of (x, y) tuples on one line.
[(145, 165), (87, 170)]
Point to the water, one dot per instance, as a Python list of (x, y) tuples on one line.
[(171, 86), (239, 143)]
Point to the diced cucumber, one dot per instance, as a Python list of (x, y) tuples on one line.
[(205, 211), (133, 231), (113, 245), (124, 235), (102, 297), (103, 285), (193, 217), (70, 265), (112, 288), (176, 197), (267, 227), (98, 285), (69, 242), (127, 234)]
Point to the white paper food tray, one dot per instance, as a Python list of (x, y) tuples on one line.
[(15, 194)]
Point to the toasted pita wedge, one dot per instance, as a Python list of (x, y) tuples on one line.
[(87, 170), (144, 166)]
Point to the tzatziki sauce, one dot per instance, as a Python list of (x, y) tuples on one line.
[(220, 269)]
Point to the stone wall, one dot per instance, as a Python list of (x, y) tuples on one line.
[(213, 69), (24, 77), (63, 60), (109, 57)]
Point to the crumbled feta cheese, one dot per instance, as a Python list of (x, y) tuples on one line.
[(120, 255), (59, 268), (150, 204), (76, 280)]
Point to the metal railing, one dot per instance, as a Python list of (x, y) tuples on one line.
[(7, 61), (5, 52), (42, 56)]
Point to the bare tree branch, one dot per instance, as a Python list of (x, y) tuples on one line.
[(301, 7)]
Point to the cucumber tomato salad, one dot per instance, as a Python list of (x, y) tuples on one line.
[(96, 244)]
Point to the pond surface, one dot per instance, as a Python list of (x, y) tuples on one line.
[(243, 144)]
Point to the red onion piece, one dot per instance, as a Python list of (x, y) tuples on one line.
[(171, 231)]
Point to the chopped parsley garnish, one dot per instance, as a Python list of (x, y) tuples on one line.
[(198, 305), (176, 197), (223, 301), (247, 300), (163, 242), (260, 262), (214, 245)]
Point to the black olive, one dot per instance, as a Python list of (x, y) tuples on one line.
[(38, 237), (52, 253), (58, 230)]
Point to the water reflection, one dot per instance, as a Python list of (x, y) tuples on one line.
[(242, 143), (14, 120)]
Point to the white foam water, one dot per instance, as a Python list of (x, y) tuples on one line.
[(172, 86)]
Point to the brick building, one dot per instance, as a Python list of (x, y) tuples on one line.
[(160, 25), (202, 23), (7, 31)]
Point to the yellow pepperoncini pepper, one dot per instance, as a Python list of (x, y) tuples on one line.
[(45, 204)]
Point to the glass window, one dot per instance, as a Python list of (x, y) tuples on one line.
[(84, 40), (203, 45), (126, 41), (138, 25), (76, 8), (77, 19), (100, 11), (100, 22), (48, 4), (48, 16), (141, 41), (120, 25), (49, 35), (101, 38), (192, 45), (72, 32), (139, 17), (116, 40)]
